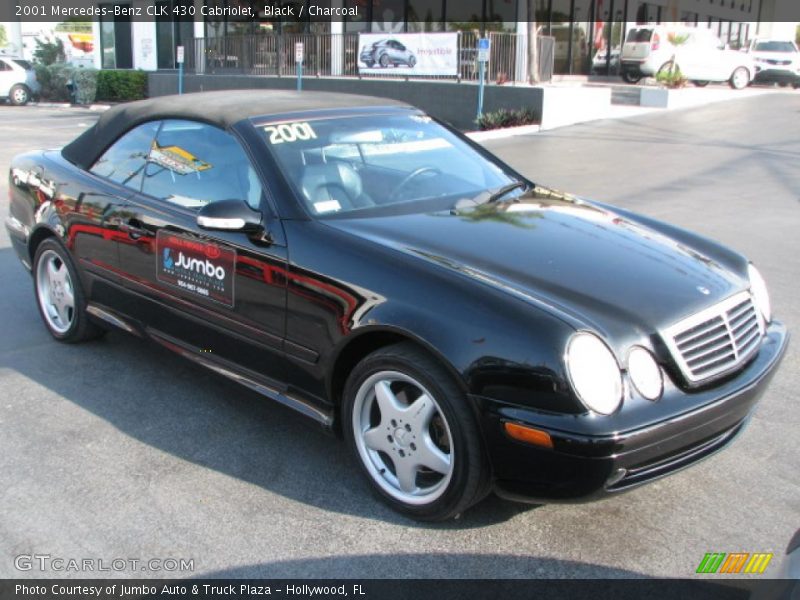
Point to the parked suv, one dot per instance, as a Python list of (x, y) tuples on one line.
[(699, 54), (776, 61), (387, 52), (17, 80)]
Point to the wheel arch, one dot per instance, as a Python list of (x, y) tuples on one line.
[(38, 235), (370, 339)]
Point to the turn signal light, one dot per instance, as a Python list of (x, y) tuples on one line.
[(529, 435)]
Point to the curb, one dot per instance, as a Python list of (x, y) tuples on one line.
[(498, 134), (95, 107)]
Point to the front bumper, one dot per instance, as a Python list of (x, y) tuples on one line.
[(776, 75), (582, 467)]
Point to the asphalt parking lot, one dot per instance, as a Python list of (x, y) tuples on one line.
[(115, 449)]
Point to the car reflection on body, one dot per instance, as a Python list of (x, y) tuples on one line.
[(465, 329)]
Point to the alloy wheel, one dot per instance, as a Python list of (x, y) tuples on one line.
[(403, 437), (55, 292)]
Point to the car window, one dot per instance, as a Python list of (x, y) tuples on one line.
[(4, 66), (339, 165), (191, 164), (125, 159), (775, 47), (639, 35), (24, 64)]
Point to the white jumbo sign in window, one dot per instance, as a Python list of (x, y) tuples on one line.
[(406, 54)]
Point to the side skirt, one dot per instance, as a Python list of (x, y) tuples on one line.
[(255, 382)]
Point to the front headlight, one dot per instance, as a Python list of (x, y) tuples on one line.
[(594, 373), (645, 373), (758, 287)]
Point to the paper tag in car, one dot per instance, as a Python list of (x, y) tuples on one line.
[(327, 206)]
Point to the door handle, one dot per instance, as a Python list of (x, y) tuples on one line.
[(135, 229)]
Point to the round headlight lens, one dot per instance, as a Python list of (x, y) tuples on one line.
[(645, 373), (594, 373), (758, 287)]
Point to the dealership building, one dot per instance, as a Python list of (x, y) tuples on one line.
[(579, 27)]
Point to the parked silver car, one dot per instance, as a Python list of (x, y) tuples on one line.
[(18, 82), (387, 52)]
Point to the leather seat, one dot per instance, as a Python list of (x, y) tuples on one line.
[(334, 181)]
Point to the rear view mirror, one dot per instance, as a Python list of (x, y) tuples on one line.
[(229, 215)]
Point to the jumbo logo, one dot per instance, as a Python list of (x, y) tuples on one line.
[(206, 267)]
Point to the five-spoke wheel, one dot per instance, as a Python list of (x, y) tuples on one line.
[(414, 434), (403, 437), (59, 294)]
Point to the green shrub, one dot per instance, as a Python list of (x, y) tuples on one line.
[(53, 79), (120, 86), (671, 77), (507, 118), (86, 82)]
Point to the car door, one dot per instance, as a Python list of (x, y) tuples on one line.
[(217, 295), (96, 226)]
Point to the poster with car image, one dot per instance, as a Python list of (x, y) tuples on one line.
[(408, 53)]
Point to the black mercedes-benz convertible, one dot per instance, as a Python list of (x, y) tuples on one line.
[(466, 329)]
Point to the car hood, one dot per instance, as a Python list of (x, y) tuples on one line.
[(588, 263)]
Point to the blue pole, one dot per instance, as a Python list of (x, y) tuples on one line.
[(180, 78), (299, 76), (481, 67)]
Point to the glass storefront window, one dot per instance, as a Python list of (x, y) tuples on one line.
[(388, 16), (425, 15)]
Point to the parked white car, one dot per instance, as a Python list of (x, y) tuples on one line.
[(776, 61), (18, 81), (699, 54)]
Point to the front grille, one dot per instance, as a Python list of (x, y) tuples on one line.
[(716, 340)]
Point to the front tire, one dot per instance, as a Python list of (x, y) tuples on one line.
[(414, 435), (19, 95), (59, 295), (740, 78), (412, 62)]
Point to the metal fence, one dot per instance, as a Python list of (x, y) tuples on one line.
[(336, 55)]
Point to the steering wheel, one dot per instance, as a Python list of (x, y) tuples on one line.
[(410, 177)]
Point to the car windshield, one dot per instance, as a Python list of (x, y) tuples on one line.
[(639, 35), (387, 164), (775, 47)]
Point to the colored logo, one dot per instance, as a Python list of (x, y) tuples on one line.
[(734, 563), (168, 260)]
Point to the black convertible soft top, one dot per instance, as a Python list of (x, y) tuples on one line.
[(223, 109)]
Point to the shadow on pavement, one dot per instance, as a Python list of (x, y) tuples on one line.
[(174, 406)]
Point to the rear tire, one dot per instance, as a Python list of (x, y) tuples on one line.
[(740, 78), (700, 83), (384, 61), (59, 295), (631, 77), (414, 434), (19, 95)]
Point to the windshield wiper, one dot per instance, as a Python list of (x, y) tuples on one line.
[(505, 190)]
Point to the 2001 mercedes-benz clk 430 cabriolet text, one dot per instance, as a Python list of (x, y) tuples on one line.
[(466, 329)]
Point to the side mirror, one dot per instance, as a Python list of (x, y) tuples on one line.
[(229, 215)]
